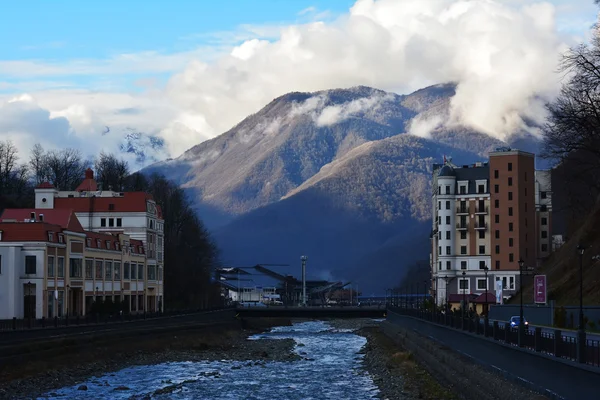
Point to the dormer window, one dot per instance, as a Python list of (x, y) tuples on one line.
[(116, 245), (89, 242), (61, 239), (141, 249), (132, 249), (108, 244), (50, 236), (98, 243)]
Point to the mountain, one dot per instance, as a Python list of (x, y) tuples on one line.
[(330, 174)]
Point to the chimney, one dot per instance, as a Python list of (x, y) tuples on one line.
[(32, 216), (89, 174), (1, 235), (41, 216)]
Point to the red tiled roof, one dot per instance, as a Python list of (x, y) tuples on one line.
[(28, 232), (130, 202), (65, 218), (45, 185), (89, 183)]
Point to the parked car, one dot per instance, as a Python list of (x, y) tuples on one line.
[(516, 320)]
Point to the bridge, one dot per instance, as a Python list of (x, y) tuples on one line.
[(311, 312)]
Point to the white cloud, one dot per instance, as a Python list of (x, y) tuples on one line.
[(502, 54), (422, 127)]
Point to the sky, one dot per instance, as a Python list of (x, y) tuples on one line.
[(83, 74)]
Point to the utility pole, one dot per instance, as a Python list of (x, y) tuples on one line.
[(303, 259)]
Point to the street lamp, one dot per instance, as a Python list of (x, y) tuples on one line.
[(303, 259), (485, 271), (68, 287), (581, 333), (464, 297), (521, 319)]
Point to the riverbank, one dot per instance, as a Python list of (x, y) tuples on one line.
[(32, 379)]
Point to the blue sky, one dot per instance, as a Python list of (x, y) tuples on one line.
[(178, 64)]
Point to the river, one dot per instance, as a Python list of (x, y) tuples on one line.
[(330, 368)]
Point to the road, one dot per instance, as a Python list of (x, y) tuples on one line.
[(558, 379), (565, 332)]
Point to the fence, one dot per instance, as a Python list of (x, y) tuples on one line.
[(45, 323), (536, 339)]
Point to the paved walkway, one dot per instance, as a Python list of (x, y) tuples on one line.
[(557, 378)]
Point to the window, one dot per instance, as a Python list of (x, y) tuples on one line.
[(141, 272), (111, 222), (98, 243), (447, 235), (50, 236), (447, 220), (50, 303), (75, 268), (439, 190), (50, 266), (447, 250), (108, 270), (497, 264), (99, 270), (463, 249), (447, 192), (463, 265), (481, 234), (439, 205), (496, 189), (464, 284), (481, 264), (544, 247), (447, 205), (510, 166), (88, 242), (448, 266), (61, 267), (511, 282), (126, 270), (544, 221), (481, 284), (497, 234), (89, 269), (440, 235), (440, 265), (496, 174), (463, 189), (542, 195), (440, 250), (30, 265), (463, 235), (481, 249), (544, 234), (509, 181), (543, 208), (510, 197), (119, 222), (504, 283), (117, 271), (511, 257), (497, 203), (160, 272), (510, 226), (61, 238), (133, 270), (481, 189), (497, 249), (151, 272), (111, 207), (497, 218), (103, 222), (108, 244), (439, 223)]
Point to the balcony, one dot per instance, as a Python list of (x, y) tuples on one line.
[(462, 210), (479, 226), (482, 210), (462, 226)]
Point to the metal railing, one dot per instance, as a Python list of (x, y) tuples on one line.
[(535, 339), (482, 210), (462, 226)]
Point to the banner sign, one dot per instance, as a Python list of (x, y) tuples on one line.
[(499, 298), (540, 293)]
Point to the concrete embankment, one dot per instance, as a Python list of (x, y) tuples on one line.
[(463, 377)]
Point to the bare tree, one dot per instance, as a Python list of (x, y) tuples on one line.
[(66, 168), (8, 163), (111, 172), (38, 164)]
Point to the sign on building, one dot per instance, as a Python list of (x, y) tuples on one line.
[(540, 293), (499, 291)]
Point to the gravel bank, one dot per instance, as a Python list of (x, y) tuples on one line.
[(72, 369)]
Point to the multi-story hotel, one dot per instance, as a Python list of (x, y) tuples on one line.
[(76, 247), (484, 217), (135, 214), (50, 266)]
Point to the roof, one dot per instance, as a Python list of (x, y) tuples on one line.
[(28, 232), (98, 241), (129, 202), (457, 298), (64, 218), (45, 185), (89, 183), (446, 170), (491, 298)]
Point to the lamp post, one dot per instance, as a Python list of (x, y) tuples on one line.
[(68, 287), (30, 302), (581, 337), (485, 271), (464, 298), (303, 259), (521, 319)]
